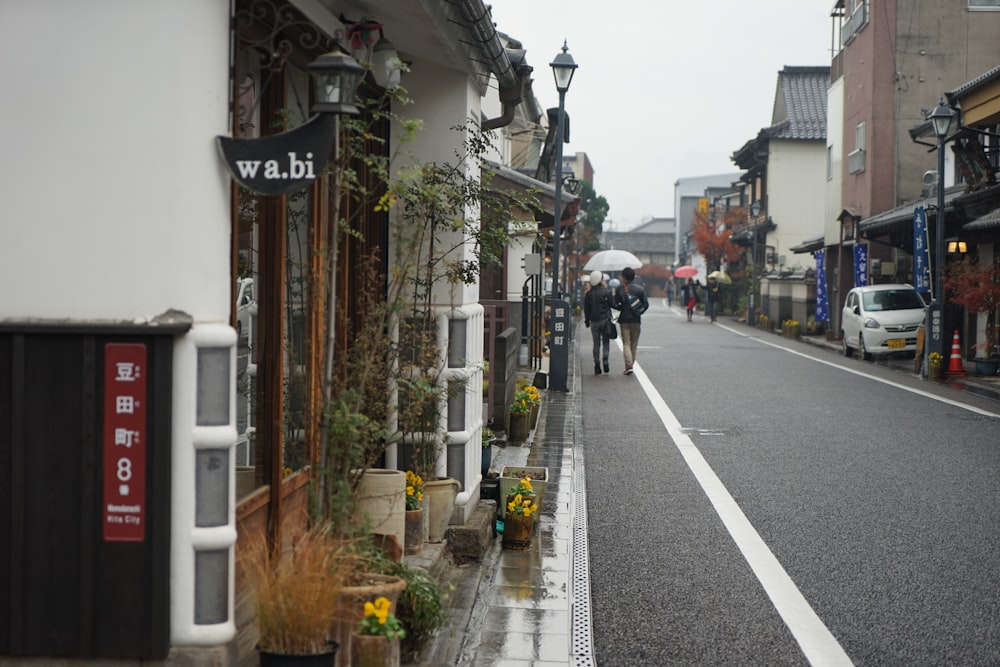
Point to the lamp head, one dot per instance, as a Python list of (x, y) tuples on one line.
[(563, 66), (941, 118), (755, 208), (336, 76), (385, 64)]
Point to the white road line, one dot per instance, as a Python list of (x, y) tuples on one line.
[(815, 639), (912, 390)]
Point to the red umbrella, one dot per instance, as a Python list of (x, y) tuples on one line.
[(685, 271)]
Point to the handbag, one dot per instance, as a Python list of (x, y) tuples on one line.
[(610, 330)]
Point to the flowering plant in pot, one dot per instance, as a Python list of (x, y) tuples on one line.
[(414, 490), (376, 642)]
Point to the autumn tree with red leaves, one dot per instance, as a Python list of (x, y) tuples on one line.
[(711, 237)]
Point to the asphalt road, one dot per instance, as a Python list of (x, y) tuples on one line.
[(758, 501)]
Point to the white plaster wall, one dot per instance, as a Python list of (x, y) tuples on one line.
[(443, 99), (796, 196), (115, 203), (835, 140)]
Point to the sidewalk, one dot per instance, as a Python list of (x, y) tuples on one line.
[(982, 386), (530, 608)]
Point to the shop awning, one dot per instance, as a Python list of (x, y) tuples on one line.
[(896, 218), (505, 178), (811, 244), (984, 223)]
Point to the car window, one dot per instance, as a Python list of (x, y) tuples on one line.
[(903, 300)]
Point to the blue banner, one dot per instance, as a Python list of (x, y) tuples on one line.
[(860, 265), (822, 303), (921, 252)]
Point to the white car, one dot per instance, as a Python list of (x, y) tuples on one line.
[(879, 319), (246, 306)]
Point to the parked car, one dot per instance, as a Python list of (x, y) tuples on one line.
[(880, 319), (246, 306)]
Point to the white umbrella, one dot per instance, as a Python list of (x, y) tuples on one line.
[(612, 260)]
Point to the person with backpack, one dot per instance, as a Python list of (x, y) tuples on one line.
[(631, 301)]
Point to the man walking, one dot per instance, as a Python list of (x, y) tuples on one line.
[(631, 300), (596, 313)]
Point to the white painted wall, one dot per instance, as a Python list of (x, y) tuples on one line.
[(115, 207), (796, 176), (115, 203)]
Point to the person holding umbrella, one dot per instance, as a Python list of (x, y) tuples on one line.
[(689, 295), (631, 301)]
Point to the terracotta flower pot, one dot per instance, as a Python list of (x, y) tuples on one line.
[(440, 494)]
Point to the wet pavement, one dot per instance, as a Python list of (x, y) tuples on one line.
[(516, 607), (532, 608)]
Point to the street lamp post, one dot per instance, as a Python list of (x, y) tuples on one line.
[(560, 321), (563, 67), (941, 118), (751, 314)]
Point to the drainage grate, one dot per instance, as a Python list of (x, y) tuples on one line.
[(582, 638)]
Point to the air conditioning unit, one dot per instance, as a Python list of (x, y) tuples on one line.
[(888, 268), (930, 181)]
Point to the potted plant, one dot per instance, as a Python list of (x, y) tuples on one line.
[(935, 365), (488, 439), (535, 402), (296, 594), (376, 642), (414, 540), (977, 288), (519, 412), (521, 507), (534, 478)]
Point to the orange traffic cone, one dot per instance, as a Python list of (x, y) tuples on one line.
[(955, 364)]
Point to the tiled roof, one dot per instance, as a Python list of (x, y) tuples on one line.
[(800, 104)]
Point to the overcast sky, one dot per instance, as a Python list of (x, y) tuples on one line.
[(665, 89)]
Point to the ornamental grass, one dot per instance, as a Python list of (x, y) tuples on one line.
[(296, 593)]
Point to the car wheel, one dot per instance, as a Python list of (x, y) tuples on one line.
[(862, 352), (845, 347)]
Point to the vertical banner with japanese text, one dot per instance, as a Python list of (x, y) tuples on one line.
[(822, 302), (124, 442), (860, 265), (921, 252)]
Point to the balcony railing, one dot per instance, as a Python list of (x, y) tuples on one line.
[(858, 20)]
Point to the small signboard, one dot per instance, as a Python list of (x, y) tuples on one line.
[(281, 163), (125, 440), (560, 319), (935, 329)]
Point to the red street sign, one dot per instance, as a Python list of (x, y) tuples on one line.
[(124, 442)]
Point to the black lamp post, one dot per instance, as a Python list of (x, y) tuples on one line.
[(751, 314), (563, 67), (941, 118)]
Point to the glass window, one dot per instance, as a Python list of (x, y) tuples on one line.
[(984, 4)]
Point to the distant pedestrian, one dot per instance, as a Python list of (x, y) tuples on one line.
[(630, 300), (713, 295), (689, 295), (596, 314)]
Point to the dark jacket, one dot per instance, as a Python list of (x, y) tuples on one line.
[(621, 301), (714, 292), (597, 304), (688, 291)]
